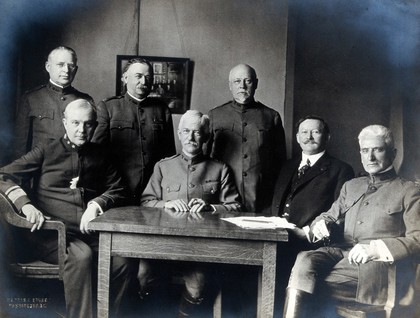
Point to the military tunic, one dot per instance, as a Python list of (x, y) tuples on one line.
[(54, 165), (382, 207), (250, 139), (40, 113), (138, 133), (180, 177)]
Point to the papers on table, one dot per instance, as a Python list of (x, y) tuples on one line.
[(260, 222)]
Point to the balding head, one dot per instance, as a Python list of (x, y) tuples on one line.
[(243, 82)]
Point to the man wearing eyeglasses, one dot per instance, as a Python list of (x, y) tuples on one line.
[(381, 219), (39, 111), (189, 183)]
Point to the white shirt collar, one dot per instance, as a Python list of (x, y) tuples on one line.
[(137, 99), (55, 84), (312, 158)]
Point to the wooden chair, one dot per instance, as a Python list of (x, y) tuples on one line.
[(400, 303), (37, 268)]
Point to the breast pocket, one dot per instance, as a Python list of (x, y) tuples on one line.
[(211, 190), (172, 191), (42, 122), (122, 132)]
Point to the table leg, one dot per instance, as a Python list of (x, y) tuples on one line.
[(104, 265), (267, 282), (217, 306)]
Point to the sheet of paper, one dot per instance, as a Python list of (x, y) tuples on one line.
[(260, 222)]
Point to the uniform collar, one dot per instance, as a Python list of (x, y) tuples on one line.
[(252, 104), (387, 175), (192, 161), (73, 147), (133, 99), (59, 89)]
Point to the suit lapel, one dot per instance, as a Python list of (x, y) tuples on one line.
[(320, 167)]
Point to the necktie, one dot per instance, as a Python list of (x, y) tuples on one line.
[(304, 168)]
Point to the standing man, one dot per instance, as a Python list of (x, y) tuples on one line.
[(73, 182), (189, 183), (137, 128), (40, 110), (381, 225), (249, 137)]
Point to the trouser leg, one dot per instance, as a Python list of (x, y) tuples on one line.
[(121, 279), (310, 267), (192, 297), (77, 280)]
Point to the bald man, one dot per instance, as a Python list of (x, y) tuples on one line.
[(40, 109), (249, 137), (73, 182)]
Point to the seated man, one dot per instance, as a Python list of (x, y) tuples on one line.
[(381, 225), (73, 182), (189, 182)]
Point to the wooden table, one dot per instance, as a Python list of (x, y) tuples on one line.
[(153, 233)]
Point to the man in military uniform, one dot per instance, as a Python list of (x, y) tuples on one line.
[(137, 128), (190, 182), (75, 183), (40, 110), (381, 226), (249, 137)]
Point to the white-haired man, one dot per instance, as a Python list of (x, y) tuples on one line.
[(381, 225), (189, 182)]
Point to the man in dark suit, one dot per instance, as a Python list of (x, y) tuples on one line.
[(308, 185)]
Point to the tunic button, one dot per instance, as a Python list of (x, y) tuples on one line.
[(244, 174), (63, 98), (40, 116), (167, 189), (119, 127), (212, 191), (287, 205), (366, 203), (191, 185), (359, 222), (244, 124), (245, 156)]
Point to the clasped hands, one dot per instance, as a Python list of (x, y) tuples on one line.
[(195, 205), (360, 254), (37, 218)]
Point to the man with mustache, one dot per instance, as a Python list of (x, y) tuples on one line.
[(74, 182), (137, 128), (39, 111), (189, 183), (306, 187), (249, 137), (377, 217)]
